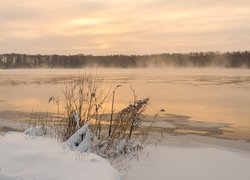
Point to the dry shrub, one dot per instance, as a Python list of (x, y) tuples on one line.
[(127, 121), (83, 105), (83, 101)]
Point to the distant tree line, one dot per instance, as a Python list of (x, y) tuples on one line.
[(196, 59)]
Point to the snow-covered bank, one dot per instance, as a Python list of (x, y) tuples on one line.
[(26, 158), (190, 161), (9, 125)]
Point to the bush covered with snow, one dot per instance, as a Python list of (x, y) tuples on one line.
[(81, 127), (39, 131), (85, 141)]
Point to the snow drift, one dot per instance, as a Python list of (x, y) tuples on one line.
[(42, 158), (190, 162)]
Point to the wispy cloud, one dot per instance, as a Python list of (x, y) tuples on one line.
[(123, 26)]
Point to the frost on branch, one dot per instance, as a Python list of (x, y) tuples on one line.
[(76, 119)]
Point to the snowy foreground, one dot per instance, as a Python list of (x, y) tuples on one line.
[(25, 158), (190, 162)]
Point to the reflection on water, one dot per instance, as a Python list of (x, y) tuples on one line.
[(214, 95)]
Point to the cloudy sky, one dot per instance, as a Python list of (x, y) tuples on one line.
[(101, 27)]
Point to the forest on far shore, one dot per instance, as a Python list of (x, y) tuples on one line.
[(195, 59)]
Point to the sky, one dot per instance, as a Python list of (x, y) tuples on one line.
[(103, 27)]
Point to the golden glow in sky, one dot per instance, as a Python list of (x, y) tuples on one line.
[(101, 27)]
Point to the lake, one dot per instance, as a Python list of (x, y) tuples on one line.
[(203, 94)]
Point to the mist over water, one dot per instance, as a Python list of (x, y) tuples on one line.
[(238, 59), (204, 94)]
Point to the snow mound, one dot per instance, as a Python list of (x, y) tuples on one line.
[(80, 140), (42, 158)]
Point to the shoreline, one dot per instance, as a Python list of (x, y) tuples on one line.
[(187, 141), (170, 130)]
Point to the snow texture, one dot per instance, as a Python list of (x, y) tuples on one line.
[(42, 158)]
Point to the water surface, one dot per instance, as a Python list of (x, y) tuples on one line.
[(209, 95)]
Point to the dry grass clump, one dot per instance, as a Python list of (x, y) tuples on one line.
[(127, 121), (83, 104), (83, 101)]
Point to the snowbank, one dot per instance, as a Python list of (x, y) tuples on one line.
[(40, 158), (196, 162), (25, 157)]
